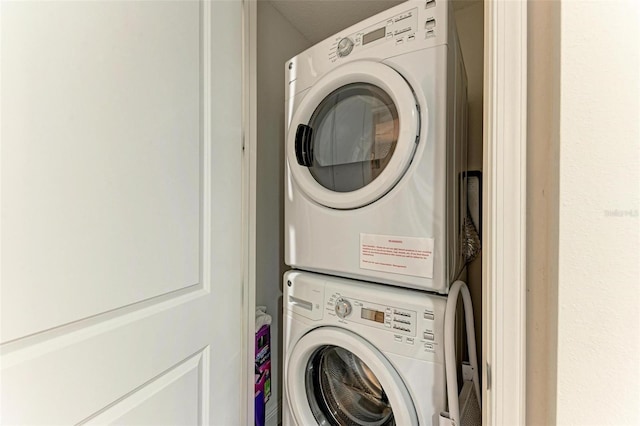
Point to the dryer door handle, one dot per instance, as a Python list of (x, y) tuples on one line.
[(304, 148)]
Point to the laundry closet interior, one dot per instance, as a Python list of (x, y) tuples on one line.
[(286, 28)]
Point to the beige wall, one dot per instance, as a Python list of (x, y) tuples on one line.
[(542, 208), (583, 267)]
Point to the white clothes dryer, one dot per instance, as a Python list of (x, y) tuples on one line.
[(376, 150), (361, 354)]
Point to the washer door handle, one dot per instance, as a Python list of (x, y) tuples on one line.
[(304, 148)]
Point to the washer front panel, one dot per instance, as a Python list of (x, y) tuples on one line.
[(302, 408), (323, 312)]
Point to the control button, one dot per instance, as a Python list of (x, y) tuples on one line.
[(343, 307), (429, 34), (429, 336), (430, 24), (397, 337), (399, 41), (410, 340), (411, 37), (345, 46), (429, 316), (428, 345)]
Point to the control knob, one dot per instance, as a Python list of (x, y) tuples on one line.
[(343, 307), (345, 46)]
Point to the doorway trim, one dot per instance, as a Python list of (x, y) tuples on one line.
[(504, 254)]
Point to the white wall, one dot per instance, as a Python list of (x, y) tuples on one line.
[(277, 42), (598, 373)]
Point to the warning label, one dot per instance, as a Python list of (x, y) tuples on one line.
[(399, 255)]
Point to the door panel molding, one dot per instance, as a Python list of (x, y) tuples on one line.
[(31, 347), (192, 368), (81, 360), (96, 110)]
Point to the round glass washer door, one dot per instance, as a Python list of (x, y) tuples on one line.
[(336, 378), (353, 135)]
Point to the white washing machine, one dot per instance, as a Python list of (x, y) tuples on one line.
[(361, 354), (376, 150)]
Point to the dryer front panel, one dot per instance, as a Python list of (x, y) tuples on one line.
[(425, 205), (353, 135)]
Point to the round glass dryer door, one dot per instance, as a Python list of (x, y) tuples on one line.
[(353, 135), (337, 378)]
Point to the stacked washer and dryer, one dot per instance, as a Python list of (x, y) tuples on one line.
[(375, 201)]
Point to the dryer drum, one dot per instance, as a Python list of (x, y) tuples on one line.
[(342, 390)]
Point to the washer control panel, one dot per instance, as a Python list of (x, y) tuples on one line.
[(345, 46), (343, 307), (413, 328), (393, 319), (397, 29)]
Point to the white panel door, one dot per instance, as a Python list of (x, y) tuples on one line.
[(121, 160)]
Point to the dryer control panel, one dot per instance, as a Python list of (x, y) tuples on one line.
[(397, 29)]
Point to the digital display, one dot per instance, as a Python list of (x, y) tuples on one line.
[(371, 315), (374, 35)]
